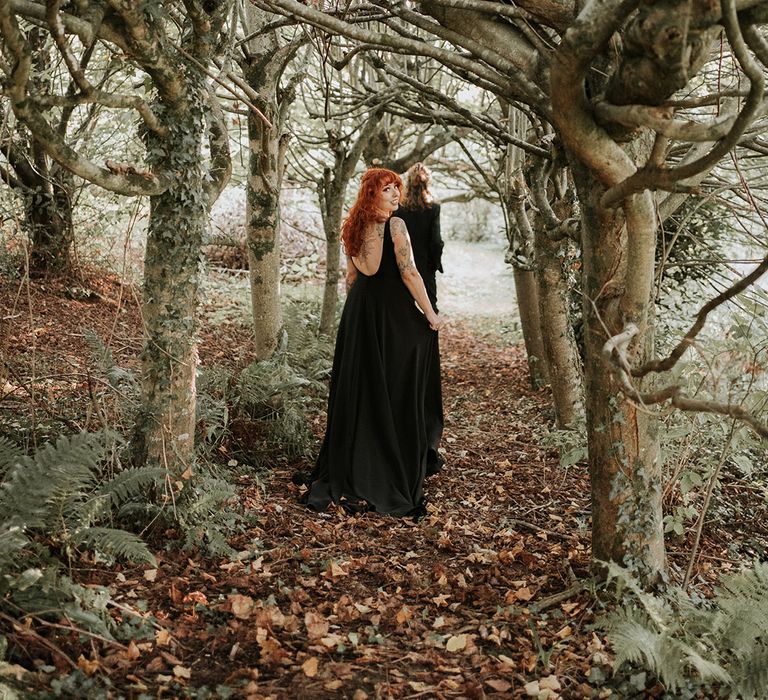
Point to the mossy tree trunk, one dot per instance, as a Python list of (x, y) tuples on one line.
[(263, 67), (624, 458), (165, 428)]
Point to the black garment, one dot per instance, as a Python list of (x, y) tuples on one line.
[(424, 229), (381, 433)]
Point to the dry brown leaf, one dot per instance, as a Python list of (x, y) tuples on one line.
[(162, 638), (565, 632), (523, 594), (150, 575), (550, 683), (317, 626), (456, 643), (241, 605), (132, 651), (499, 685), (182, 672), (310, 667), (87, 666), (403, 615)]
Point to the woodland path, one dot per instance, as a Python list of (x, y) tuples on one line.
[(333, 606)]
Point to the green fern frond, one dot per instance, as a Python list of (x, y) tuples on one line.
[(118, 543), (709, 671), (131, 483), (118, 377), (12, 542), (751, 672), (743, 600), (9, 454), (55, 473)]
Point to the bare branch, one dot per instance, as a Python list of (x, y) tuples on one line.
[(72, 25), (107, 99), (227, 87), (480, 122), (395, 44), (614, 352), (50, 140), (671, 360), (218, 141), (651, 177)]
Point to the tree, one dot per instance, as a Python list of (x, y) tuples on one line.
[(169, 43), (264, 62), (602, 78)]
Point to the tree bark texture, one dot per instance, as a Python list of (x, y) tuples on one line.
[(562, 356), (527, 296), (263, 238), (624, 459), (262, 72), (332, 202), (165, 427)]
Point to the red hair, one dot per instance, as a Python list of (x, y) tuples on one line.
[(364, 210)]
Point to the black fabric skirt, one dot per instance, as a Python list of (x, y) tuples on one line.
[(385, 414)]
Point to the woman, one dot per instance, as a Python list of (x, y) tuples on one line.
[(375, 451), (421, 214)]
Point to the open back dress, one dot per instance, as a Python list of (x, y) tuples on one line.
[(383, 421)]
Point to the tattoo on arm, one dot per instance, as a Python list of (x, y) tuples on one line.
[(404, 259)]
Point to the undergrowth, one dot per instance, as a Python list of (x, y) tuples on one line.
[(695, 647)]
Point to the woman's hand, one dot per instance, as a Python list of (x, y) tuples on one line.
[(435, 322)]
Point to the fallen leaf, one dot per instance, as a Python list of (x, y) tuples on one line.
[(334, 571), (162, 638), (523, 594), (87, 666), (419, 687), (242, 605), (499, 685), (182, 672), (317, 626), (549, 683), (132, 652), (150, 574), (456, 643), (403, 615), (567, 631), (310, 667)]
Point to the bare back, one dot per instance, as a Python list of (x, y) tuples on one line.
[(368, 259)]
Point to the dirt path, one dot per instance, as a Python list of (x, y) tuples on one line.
[(333, 606)]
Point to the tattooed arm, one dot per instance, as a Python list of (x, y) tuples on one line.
[(408, 271)]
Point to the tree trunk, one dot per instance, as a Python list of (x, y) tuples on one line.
[(165, 426), (625, 470), (49, 221), (562, 356), (263, 234), (332, 226), (263, 68), (527, 294)]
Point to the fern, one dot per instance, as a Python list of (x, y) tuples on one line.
[(131, 483), (118, 377), (716, 644), (118, 543), (9, 454), (55, 474)]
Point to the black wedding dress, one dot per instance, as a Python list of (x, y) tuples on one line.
[(383, 421)]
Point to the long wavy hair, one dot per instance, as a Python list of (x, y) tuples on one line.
[(364, 210), (417, 194)]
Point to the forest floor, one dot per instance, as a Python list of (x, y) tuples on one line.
[(488, 595)]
